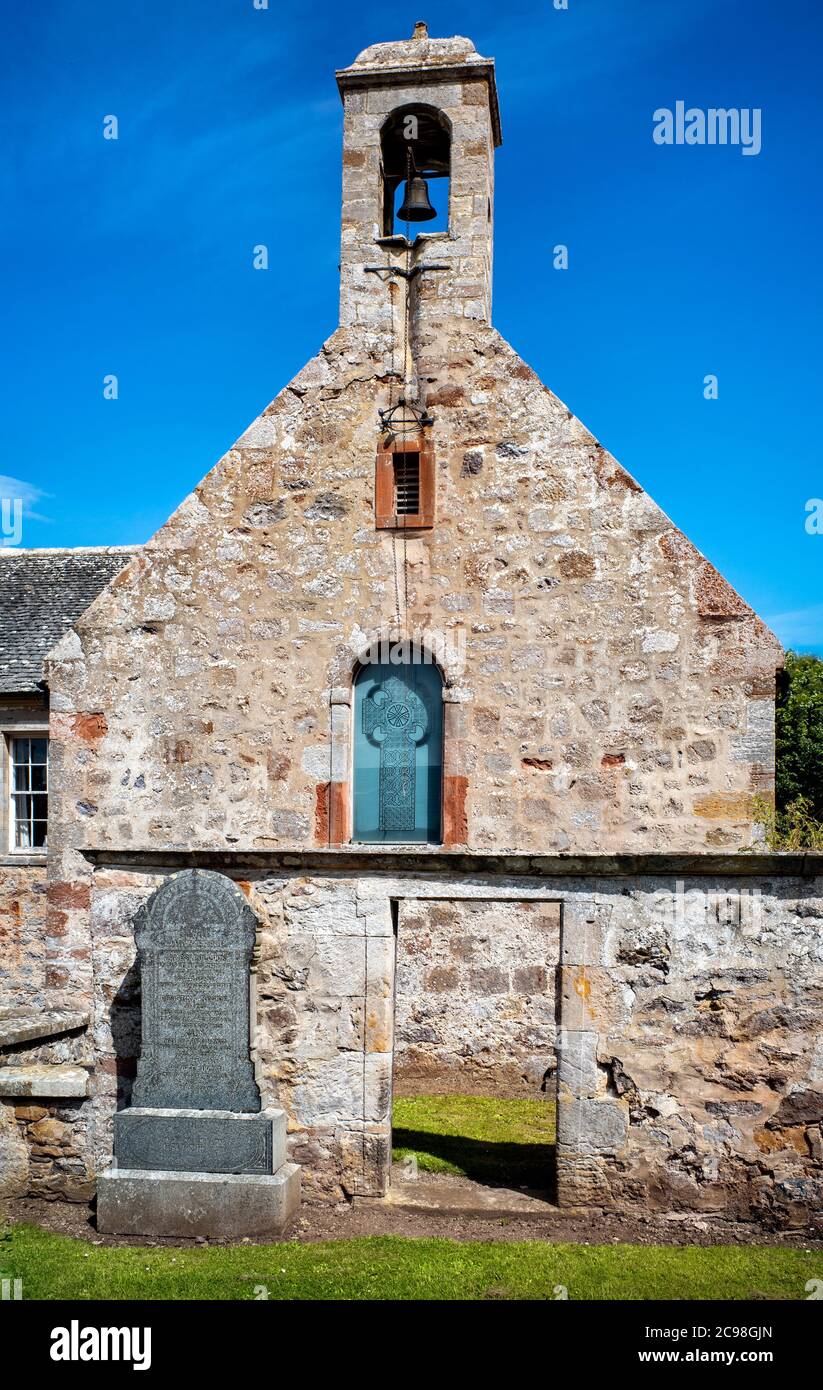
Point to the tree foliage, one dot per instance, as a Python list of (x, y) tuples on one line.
[(799, 734)]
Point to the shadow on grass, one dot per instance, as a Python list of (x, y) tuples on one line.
[(495, 1164)]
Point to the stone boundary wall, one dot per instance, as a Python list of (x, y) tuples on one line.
[(44, 1118), (22, 933), (688, 1050)]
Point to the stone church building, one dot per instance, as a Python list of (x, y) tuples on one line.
[(475, 728)]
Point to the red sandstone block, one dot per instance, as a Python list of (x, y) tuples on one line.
[(69, 895), (90, 726)]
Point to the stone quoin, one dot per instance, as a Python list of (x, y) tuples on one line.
[(516, 862)]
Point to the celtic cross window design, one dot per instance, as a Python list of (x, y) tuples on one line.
[(398, 753)]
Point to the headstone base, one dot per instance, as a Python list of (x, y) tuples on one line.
[(200, 1141), (219, 1206)]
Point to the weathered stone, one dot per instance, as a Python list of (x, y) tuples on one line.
[(800, 1107), (591, 1126), (48, 1131), (21, 1025), (582, 933), (14, 1157), (577, 1071), (43, 1080)]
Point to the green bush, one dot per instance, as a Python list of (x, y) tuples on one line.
[(799, 737)]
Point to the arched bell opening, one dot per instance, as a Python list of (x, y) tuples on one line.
[(415, 146)]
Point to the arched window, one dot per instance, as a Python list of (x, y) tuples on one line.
[(423, 133), (398, 752)]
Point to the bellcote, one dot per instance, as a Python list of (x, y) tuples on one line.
[(424, 108)]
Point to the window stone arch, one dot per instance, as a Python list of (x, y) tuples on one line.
[(334, 821)]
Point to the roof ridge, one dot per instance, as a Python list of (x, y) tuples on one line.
[(70, 549)]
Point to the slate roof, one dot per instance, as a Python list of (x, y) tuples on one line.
[(42, 592)]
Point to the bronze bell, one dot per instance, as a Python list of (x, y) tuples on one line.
[(416, 206)]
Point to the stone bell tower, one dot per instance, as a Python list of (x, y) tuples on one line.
[(423, 107)]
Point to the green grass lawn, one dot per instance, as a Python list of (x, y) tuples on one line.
[(391, 1267), (492, 1140), (495, 1141)]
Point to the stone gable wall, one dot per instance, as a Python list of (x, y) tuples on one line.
[(610, 691)]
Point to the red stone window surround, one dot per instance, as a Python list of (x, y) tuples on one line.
[(386, 513), (333, 812)]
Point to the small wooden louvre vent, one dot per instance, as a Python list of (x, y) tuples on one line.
[(404, 485), (407, 484)]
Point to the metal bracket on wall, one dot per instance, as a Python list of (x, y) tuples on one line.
[(420, 418), (391, 270)]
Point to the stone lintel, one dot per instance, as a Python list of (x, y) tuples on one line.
[(44, 1080), (25, 1025), (429, 859)]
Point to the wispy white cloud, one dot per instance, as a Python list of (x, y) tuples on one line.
[(12, 489)]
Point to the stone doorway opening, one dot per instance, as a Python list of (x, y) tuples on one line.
[(475, 1054)]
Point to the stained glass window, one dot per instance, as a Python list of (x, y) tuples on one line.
[(398, 753)]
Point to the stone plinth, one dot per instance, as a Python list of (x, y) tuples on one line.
[(225, 1206)]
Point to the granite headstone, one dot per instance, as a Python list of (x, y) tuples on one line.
[(195, 938)]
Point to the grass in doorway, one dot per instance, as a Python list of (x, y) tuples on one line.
[(507, 1143)]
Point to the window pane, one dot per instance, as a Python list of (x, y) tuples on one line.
[(38, 778), (22, 822), (398, 753), (38, 838), (21, 780), (39, 750)]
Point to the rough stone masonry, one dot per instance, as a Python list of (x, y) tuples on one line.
[(608, 721)]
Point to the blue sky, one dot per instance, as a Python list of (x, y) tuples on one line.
[(134, 257)]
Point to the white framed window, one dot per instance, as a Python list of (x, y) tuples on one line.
[(29, 791)]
